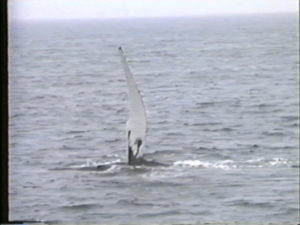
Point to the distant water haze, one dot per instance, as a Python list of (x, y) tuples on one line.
[(222, 102), (84, 9)]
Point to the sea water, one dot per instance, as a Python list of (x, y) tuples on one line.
[(222, 102)]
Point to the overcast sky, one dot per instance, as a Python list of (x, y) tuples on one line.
[(70, 9)]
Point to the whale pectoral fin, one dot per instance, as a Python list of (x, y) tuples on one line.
[(137, 114)]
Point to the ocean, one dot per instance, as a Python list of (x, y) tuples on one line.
[(222, 101)]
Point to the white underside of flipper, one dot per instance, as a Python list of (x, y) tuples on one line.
[(136, 124)]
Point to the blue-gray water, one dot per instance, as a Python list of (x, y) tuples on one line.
[(222, 102)]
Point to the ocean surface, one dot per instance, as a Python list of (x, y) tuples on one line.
[(222, 102)]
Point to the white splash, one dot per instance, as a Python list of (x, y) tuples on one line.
[(230, 164), (225, 164), (278, 161)]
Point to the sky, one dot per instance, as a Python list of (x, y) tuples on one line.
[(85, 9)]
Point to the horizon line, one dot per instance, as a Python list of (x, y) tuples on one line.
[(10, 18)]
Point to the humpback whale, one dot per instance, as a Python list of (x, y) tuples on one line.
[(135, 126)]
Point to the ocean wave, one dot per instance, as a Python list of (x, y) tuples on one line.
[(83, 206), (162, 213), (248, 203)]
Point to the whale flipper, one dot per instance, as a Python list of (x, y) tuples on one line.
[(136, 124)]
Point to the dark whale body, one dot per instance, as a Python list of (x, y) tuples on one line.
[(134, 162)]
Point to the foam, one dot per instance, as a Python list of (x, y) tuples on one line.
[(230, 164), (225, 164)]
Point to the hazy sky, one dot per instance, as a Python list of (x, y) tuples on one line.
[(68, 9)]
